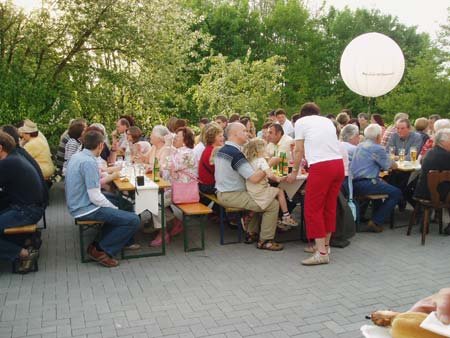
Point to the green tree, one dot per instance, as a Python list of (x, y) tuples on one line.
[(245, 87), (97, 59)]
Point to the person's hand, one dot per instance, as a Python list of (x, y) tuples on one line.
[(115, 175), (394, 165), (114, 169), (439, 302), (291, 177), (282, 179), (442, 300), (274, 161)]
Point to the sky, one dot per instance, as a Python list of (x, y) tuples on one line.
[(427, 15)]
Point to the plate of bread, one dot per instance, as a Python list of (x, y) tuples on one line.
[(390, 324)]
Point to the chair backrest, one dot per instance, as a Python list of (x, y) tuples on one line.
[(434, 179)]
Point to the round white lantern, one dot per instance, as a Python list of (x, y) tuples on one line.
[(372, 64)]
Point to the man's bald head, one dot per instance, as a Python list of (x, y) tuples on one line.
[(236, 132)]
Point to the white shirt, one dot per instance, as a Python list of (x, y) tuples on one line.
[(283, 145), (344, 154), (198, 151), (350, 149), (319, 133), (288, 128)]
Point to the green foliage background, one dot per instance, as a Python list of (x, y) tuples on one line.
[(100, 59)]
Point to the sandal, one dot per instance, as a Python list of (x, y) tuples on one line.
[(250, 237), (269, 245), (289, 221), (29, 263)]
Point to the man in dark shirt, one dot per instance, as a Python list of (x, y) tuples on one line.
[(21, 185), (14, 133), (438, 158)]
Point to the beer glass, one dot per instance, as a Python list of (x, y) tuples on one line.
[(413, 154)]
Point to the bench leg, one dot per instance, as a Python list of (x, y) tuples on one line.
[(222, 230), (82, 254), (44, 219), (185, 234)]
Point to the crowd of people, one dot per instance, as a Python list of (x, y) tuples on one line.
[(229, 158)]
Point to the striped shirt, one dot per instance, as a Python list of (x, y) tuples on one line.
[(231, 168)]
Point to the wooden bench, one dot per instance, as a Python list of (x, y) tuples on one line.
[(193, 210), (374, 197), (20, 230), (83, 226), (222, 211)]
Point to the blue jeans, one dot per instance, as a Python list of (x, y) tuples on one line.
[(118, 230), (14, 216), (378, 186)]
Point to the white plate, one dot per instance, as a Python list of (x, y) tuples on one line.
[(371, 331)]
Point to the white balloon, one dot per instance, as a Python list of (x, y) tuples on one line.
[(372, 64)]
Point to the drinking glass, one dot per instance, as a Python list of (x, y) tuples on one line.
[(413, 154), (392, 153), (401, 154)]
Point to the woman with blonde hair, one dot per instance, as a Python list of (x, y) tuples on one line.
[(261, 192)]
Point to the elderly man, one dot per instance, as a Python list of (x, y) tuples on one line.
[(279, 143), (368, 159), (231, 171), (21, 185), (438, 158), (404, 139), (391, 130), (350, 139), (85, 201), (285, 123)]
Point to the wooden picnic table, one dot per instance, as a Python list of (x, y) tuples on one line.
[(125, 186)]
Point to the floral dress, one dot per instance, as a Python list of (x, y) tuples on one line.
[(182, 165)]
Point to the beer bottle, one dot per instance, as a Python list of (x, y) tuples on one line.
[(285, 165), (156, 170)]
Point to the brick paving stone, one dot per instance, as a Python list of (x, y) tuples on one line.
[(226, 291)]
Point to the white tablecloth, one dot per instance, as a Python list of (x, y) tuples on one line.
[(146, 197)]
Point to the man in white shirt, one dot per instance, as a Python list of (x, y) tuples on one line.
[(85, 201), (279, 143), (285, 123)]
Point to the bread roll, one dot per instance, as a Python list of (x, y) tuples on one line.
[(407, 325)]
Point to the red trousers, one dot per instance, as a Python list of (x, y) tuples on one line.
[(322, 190)]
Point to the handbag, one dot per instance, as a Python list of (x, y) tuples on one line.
[(350, 201), (185, 193)]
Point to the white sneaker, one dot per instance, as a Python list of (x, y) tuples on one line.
[(316, 259), (312, 248)]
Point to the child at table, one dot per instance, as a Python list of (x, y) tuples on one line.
[(261, 192)]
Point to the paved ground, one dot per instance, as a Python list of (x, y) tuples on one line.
[(225, 291)]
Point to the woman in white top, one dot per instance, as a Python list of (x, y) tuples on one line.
[(316, 140)]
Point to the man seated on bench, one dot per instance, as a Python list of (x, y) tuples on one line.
[(231, 171), (22, 188), (369, 158), (86, 202)]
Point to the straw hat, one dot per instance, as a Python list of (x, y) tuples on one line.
[(28, 127)]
